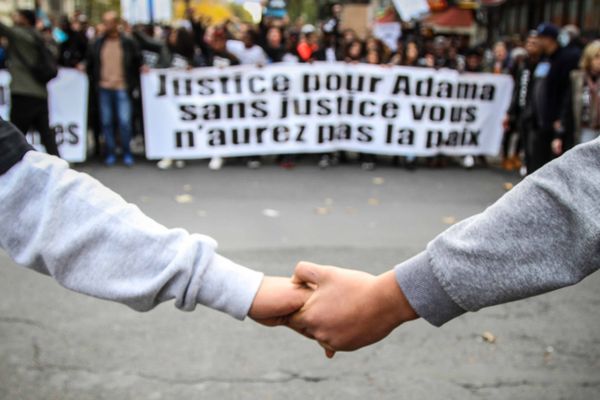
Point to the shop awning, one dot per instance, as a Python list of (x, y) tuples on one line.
[(452, 20)]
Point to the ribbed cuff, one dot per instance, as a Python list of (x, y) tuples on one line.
[(424, 292), (229, 287)]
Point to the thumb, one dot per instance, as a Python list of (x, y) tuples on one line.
[(309, 273)]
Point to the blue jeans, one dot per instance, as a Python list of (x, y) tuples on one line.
[(119, 101)]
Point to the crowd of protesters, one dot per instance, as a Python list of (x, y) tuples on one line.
[(556, 101)]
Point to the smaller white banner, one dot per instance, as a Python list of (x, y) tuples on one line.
[(411, 9), (388, 33), (146, 11), (67, 103)]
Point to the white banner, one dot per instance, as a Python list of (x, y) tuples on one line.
[(67, 102), (322, 107)]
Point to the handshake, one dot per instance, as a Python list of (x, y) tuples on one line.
[(343, 310)]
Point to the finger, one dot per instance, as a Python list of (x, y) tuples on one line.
[(307, 272), (329, 352), (296, 322)]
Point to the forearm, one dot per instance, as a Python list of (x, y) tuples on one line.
[(541, 236), (66, 224)]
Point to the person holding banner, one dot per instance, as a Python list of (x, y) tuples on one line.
[(217, 55), (29, 95)]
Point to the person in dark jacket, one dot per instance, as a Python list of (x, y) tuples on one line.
[(114, 63), (29, 96), (550, 94), (74, 49), (520, 113)]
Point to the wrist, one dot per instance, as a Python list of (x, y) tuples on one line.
[(392, 302)]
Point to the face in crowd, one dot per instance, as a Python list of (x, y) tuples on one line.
[(110, 20), (215, 38), (412, 53), (274, 37), (532, 45), (590, 61), (500, 52)]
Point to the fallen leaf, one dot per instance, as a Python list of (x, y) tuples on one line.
[(378, 180), (187, 188), (508, 186), (145, 199), (184, 199), (374, 201), (268, 212), (328, 202), (488, 337), (449, 220), (322, 210), (351, 210)]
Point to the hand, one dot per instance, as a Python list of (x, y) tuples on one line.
[(276, 299), (144, 69), (349, 309), (557, 146), (506, 122)]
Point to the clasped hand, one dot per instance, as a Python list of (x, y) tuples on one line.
[(343, 310)]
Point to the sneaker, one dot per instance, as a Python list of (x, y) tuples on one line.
[(110, 160), (165, 163), (468, 162), (324, 162), (253, 164), (215, 163), (523, 171), (368, 166), (287, 165), (179, 164), (411, 165), (128, 160)]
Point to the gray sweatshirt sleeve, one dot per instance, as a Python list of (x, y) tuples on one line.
[(68, 225), (541, 236)]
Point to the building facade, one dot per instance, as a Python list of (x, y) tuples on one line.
[(520, 16)]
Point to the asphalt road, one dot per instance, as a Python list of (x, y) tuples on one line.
[(56, 344)]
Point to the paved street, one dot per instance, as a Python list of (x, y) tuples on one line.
[(56, 344)]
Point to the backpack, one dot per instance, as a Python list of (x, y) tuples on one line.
[(46, 67)]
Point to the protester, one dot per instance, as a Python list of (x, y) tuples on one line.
[(583, 108), (275, 46), (29, 95), (246, 50), (521, 112), (550, 91), (217, 55), (308, 45), (114, 65), (329, 50), (73, 49)]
